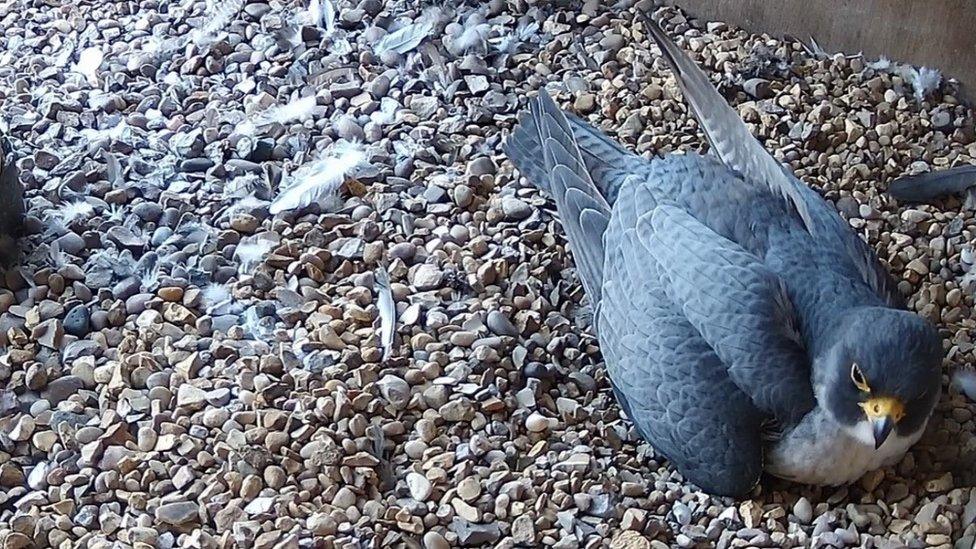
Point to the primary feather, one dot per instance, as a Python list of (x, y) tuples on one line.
[(933, 185), (329, 16)]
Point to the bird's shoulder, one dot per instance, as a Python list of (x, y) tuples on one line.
[(709, 191)]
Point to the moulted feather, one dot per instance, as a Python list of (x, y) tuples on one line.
[(89, 60), (386, 114), (387, 309), (217, 299), (319, 180), (321, 13), (965, 381), (70, 212), (408, 37), (217, 17), (924, 80), (473, 35), (299, 109), (250, 253)]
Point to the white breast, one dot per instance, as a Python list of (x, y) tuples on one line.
[(820, 451)]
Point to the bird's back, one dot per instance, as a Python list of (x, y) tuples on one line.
[(703, 186), (819, 277)]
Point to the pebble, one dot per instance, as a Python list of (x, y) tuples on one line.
[(470, 534), (469, 489), (427, 277), (499, 324), (434, 540), (189, 396), (344, 498), (420, 487), (177, 513), (515, 209), (60, 389), (803, 510), (77, 321), (536, 423), (457, 410)]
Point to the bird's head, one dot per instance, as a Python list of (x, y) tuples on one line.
[(882, 373)]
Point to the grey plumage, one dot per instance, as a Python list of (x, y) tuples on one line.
[(933, 185), (727, 294), (11, 204)]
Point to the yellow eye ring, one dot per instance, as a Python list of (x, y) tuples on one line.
[(858, 378)]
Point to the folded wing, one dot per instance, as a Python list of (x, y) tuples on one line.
[(738, 306), (739, 150), (669, 380)]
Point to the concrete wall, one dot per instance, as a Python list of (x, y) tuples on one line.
[(935, 33)]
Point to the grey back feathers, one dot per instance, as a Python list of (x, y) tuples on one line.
[(740, 151)]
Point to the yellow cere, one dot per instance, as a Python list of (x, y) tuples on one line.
[(879, 407)]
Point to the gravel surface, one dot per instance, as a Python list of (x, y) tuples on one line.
[(181, 368)]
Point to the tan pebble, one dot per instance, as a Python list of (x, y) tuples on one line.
[(44, 440), (251, 487), (170, 293), (146, 439), (433, 540), (629, 539), (469, 489)]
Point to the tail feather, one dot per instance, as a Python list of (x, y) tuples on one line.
[(524, 149), (545, 149), (559, 143), (606, 162), (594, 143)]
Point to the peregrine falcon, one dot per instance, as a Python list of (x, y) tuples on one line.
[(744, 325)]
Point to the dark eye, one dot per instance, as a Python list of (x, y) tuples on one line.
[(858, 378)]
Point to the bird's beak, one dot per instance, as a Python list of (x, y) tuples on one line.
[(882, 427), (883, 413)]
